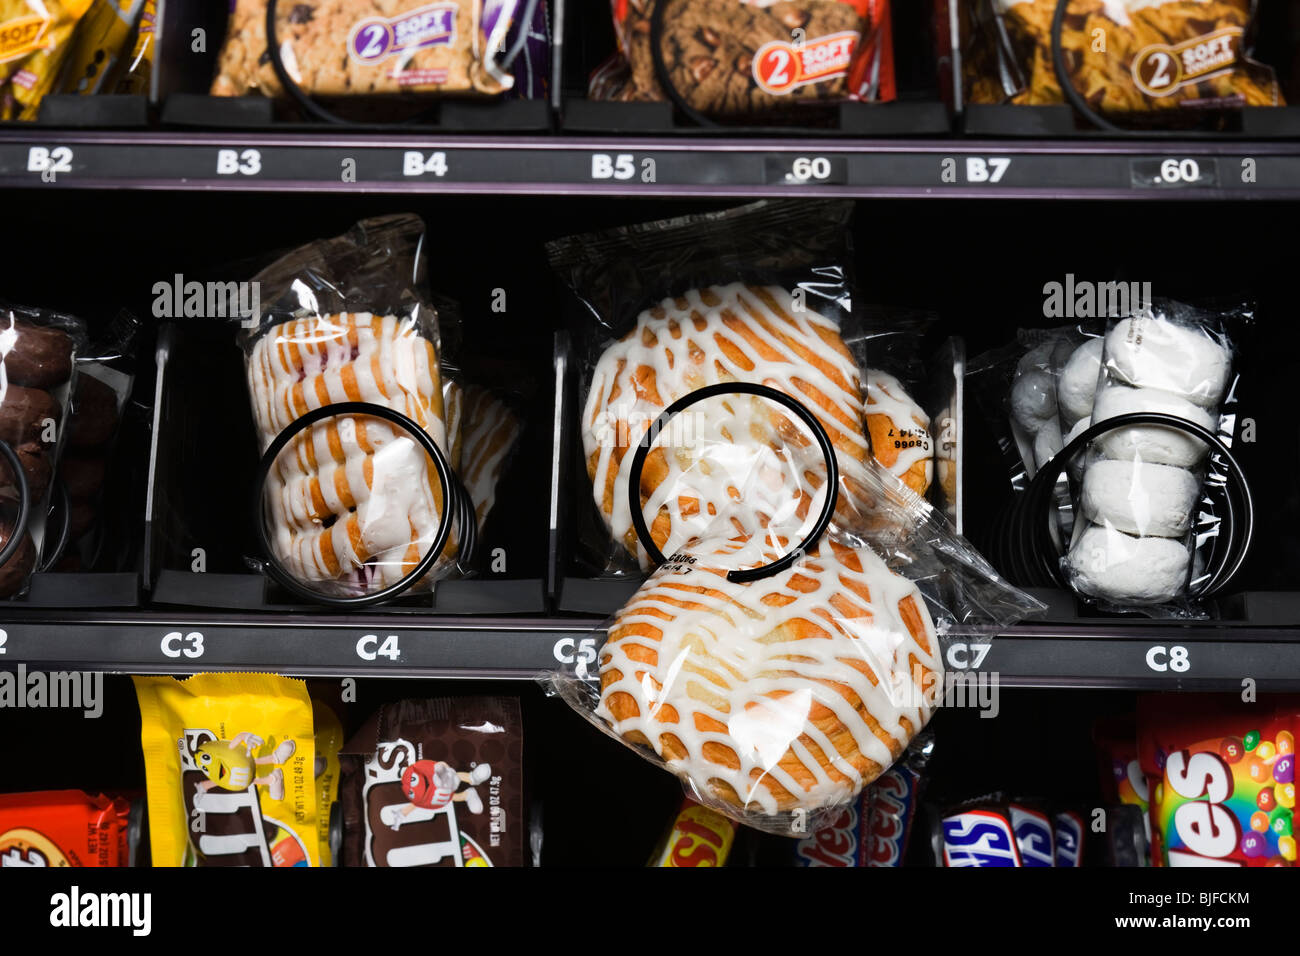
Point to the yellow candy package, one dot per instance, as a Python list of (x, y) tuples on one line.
[(329, 741), (34, 37), (100, 41), (230, 765)]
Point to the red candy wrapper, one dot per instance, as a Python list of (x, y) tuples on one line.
[(1122, 778), (894, 798), (874, 829), (1222, 780), (62, 828)]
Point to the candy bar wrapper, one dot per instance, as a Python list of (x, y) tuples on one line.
[(1223, 780), (229, 764), (698, 837), (137, 77), (1068, 837), (842, 842), (435, 783), (63, 828), (979, 832), (329, 741), (893, 801), (1035, 834)]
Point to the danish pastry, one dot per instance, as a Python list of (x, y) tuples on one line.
[(792, 691), (352, 499), (736, 453), (900, 431)]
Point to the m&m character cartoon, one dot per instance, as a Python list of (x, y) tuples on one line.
[(433, 785)]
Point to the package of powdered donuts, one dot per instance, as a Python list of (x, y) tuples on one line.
[(784, 649), (1146, 527)]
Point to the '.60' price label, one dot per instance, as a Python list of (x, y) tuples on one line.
[(805, 170), (1174, 173)]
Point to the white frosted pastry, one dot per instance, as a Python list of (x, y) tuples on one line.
[(1033, 399), (793, 691), (1154, 352), (1047, 442), (1118, 567), (1153, 443), (735, 458), (1077, 385), (1139, 497), (900, 431)]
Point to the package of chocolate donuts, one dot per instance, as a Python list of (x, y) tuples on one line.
[(784, 649), (38, 351)]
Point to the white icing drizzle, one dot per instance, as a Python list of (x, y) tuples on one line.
[(887, 396), (734, 457), (727, 654), (352, 500)]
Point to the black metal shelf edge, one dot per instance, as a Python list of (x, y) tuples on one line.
[(650, 166), (1110, 655)]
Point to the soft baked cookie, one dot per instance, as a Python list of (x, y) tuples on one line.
[(359, 47)]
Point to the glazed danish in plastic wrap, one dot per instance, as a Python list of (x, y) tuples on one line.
[(787, 648), (353, 501)]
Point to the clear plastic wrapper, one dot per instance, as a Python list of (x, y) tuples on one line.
[(1164, 62), (1143, 485), (774, 697), (353, 501), (105, 376), (733, 60), (38, 358), (775, 318), (354, 48)]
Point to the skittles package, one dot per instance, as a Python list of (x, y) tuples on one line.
[(229, 762), (1222, 777), (62, 828)]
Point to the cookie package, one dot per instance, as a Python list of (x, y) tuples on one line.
[(737, 60), (1142, 62), (344, 48), (230, 766)]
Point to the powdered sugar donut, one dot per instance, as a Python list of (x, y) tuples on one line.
[(1153, 443), (1047, 442), (1152, 352), (1033, 399), (1077, 386), (1139, 497), (1109, 564)]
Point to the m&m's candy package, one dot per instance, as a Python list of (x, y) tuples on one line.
[(1222, 780), (63, 828), (230, 763)]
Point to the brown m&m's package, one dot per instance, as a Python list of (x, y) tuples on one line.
[(435, 783)]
